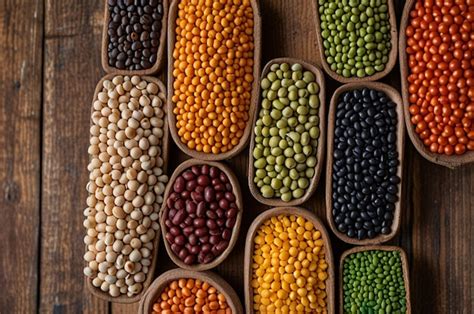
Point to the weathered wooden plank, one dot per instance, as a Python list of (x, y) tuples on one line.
[(71, 70), (20, 128)]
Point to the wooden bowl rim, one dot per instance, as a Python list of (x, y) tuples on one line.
[(405, 270), (452, 161), (257, 34), (394, 96), (392, 57), (249, 246), (159, 54), (235, 230), (321, 140), (232, 299), (165, 155)]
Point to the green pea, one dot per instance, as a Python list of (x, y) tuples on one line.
[(298, 193), (257, 153), (299, 158), (287, 112), (286, 197), (302, 110), (289, 152), (290, 163), (260, 163), (311, 162), (267, 191), (293, 173), (314, 132), (313, 101)]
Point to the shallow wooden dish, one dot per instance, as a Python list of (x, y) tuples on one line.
[(165, 151), (159, 54), (249, 247), (257, 37), (395, 97), (392, 57), (321, 141), (405, 271), (235, 231), (160, 283), (440, 159)]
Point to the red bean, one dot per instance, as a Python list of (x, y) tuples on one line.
[(179, 185), (229, 196), (191, 185), (214, 240), (231, 213), (214, 232), (199, 222), (223, 177), (204, 239), (194, 250), (185, 195), (188, 175), (214, 206), (230, 222), (188, 221), (211, 224), (175, 231), (222, 246), (209, 194), (189, 260), (214, 172), (201, 209), (190, 207), (200, 232), (203, 180), (226, 234), (205, 169), (175, 248), (221, 222), (220, 213), (179, 204), (206, 248), (223, 203), (179, 240), (188, 231), (219, 196), (211, 214), (179, 217), (193, 239), (183, 253), (196, 170), (169, 237)]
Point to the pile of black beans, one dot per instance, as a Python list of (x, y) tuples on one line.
[(134, 33), (365, 163)]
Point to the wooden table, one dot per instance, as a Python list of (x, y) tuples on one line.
[(49, 66)]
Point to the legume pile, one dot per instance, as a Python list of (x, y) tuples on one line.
[(213, 73), (356, 36), (191, 296), (289, 268), (202, 213), (365, 164), (373, 283), (286, 132), (126, 184), (440, 45), (134, 32)]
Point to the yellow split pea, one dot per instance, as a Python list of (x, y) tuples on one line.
[(289, 268)]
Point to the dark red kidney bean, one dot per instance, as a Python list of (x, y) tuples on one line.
[(203, 180), (172, 212), (223, 177), (175, 231), (205, 248), (214, 206), (209, 194), (196, 170), (204, 239), (200, 232), (221, 246), (189, 260), (220, 213), (195, 249), (188, 221), (211, 214), (219, 187), (197, 197), (199, 222), (169, 237), (179, 204), (201, 209), (228, 187), (229, 196), (180, 240), (219, 196), (183, 253), (170, 202), (230, 222), (215, 231), (214, 172), (211, 224), (188, 175), (205, 169), (179, 185), (231, 213), (193, 239), (185, 195), (221, 222), (178, 217), (190, 207), (224, 204), (226, 234), (168, 223), (175, 248), (214, 239), (191, 185), (188, 231)]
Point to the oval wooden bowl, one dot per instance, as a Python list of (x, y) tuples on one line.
[(249, 248), (235, 231), (321, 141), (395, 97), (405, 268), (165, 151), (257, 37), (392, 57), (440, 159), (160, 283), (159, 54)]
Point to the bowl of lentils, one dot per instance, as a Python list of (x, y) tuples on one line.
[(357, 39), (287, 144), (364, 163)]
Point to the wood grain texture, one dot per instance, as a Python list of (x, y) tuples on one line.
[(20, 124), (71, 70)]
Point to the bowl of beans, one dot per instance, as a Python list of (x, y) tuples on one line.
[(437, 68), (365, 162), (374, 279), (134, 36), (213, 84), (357, 40), (288, 263), (287, 144), (187, 291), (200, 218), (128, 160)]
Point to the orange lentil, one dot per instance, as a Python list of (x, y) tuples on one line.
[(213, 71), (191, 296)]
